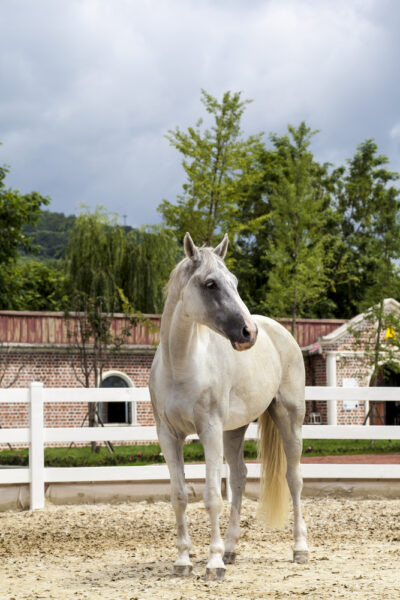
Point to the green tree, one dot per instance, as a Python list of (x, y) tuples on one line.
[(297, 249), (367, 205), (150, 255), (220, 166), (378, 347), (106, 261), (380, 237), (94, 256), (252, 228), (93, 337), (33, 285), (50, 234), (16, 210)]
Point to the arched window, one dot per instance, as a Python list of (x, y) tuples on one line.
[(116, 412)]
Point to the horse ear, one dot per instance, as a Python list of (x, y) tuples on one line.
[(191, 250), (222, 248)]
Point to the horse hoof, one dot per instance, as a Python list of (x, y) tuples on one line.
[(215, 574), (229, 558), (301, 556), (183, 570)]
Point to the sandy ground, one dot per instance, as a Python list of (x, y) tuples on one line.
[(125, 552)]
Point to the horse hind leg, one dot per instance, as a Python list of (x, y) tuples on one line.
[(172, 448), (233, 450), (288, 416)]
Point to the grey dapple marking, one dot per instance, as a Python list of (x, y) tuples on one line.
[(218, 368)]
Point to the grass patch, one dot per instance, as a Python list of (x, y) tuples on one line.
[(343, 447), (193, 452), (84, 457)]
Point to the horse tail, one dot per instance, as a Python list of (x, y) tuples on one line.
[(273, 506)]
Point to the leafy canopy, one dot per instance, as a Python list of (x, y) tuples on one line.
[(16, 210), (298, 245), (219, 165)]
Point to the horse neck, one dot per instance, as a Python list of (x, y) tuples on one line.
[(178, 336)]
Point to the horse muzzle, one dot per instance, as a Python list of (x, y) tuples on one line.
[(247, 338)]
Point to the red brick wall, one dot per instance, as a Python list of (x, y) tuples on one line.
[(316, 375), (352, 364), (351, 367), (54, 369)]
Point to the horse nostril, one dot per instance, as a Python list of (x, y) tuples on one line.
[(245, 332)]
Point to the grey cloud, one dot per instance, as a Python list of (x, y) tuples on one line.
[(89, 88)]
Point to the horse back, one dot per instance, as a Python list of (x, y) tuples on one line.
[(290, 354)]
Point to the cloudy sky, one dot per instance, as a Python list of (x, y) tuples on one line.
[(89, 88)]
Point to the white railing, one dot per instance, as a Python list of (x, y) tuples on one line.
[(36, 435)]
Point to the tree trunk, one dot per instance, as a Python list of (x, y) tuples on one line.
[(294, 317), (93, 422)]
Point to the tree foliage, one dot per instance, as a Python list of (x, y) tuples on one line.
[(298, 246), (16, 210), (367, 205), (104, 260), (150, 255), (50, 235), (219, 167), (307, 239), (33, 285), (95, 252)]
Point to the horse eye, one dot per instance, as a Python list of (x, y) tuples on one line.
[(210, 284)]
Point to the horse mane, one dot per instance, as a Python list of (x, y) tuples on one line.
[(179, 277), (183, 271)]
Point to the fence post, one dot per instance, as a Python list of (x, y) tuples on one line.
[(36, 450), (331, 381)]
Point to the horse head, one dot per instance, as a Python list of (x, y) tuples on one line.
[(210, 296)]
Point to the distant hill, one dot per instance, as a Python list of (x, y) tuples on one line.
[(50, 235)]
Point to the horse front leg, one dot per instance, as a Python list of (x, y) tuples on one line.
[(172, 448), (233, 450), (211, 438)]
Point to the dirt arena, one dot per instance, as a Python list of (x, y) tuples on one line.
[(125, 552)]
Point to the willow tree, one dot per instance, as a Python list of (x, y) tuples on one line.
[(219, 165), (94, 256), (150, 255)]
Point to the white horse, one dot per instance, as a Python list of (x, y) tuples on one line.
[(202, 383)]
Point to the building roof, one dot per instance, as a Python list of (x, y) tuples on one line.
[(308, 331), (390, 305), (49, 328)]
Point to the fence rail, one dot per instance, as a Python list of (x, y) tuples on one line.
[(36, 435)]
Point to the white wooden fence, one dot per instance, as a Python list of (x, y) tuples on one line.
[(36, 435)]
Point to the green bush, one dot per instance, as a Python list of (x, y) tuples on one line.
[(18, 458)]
